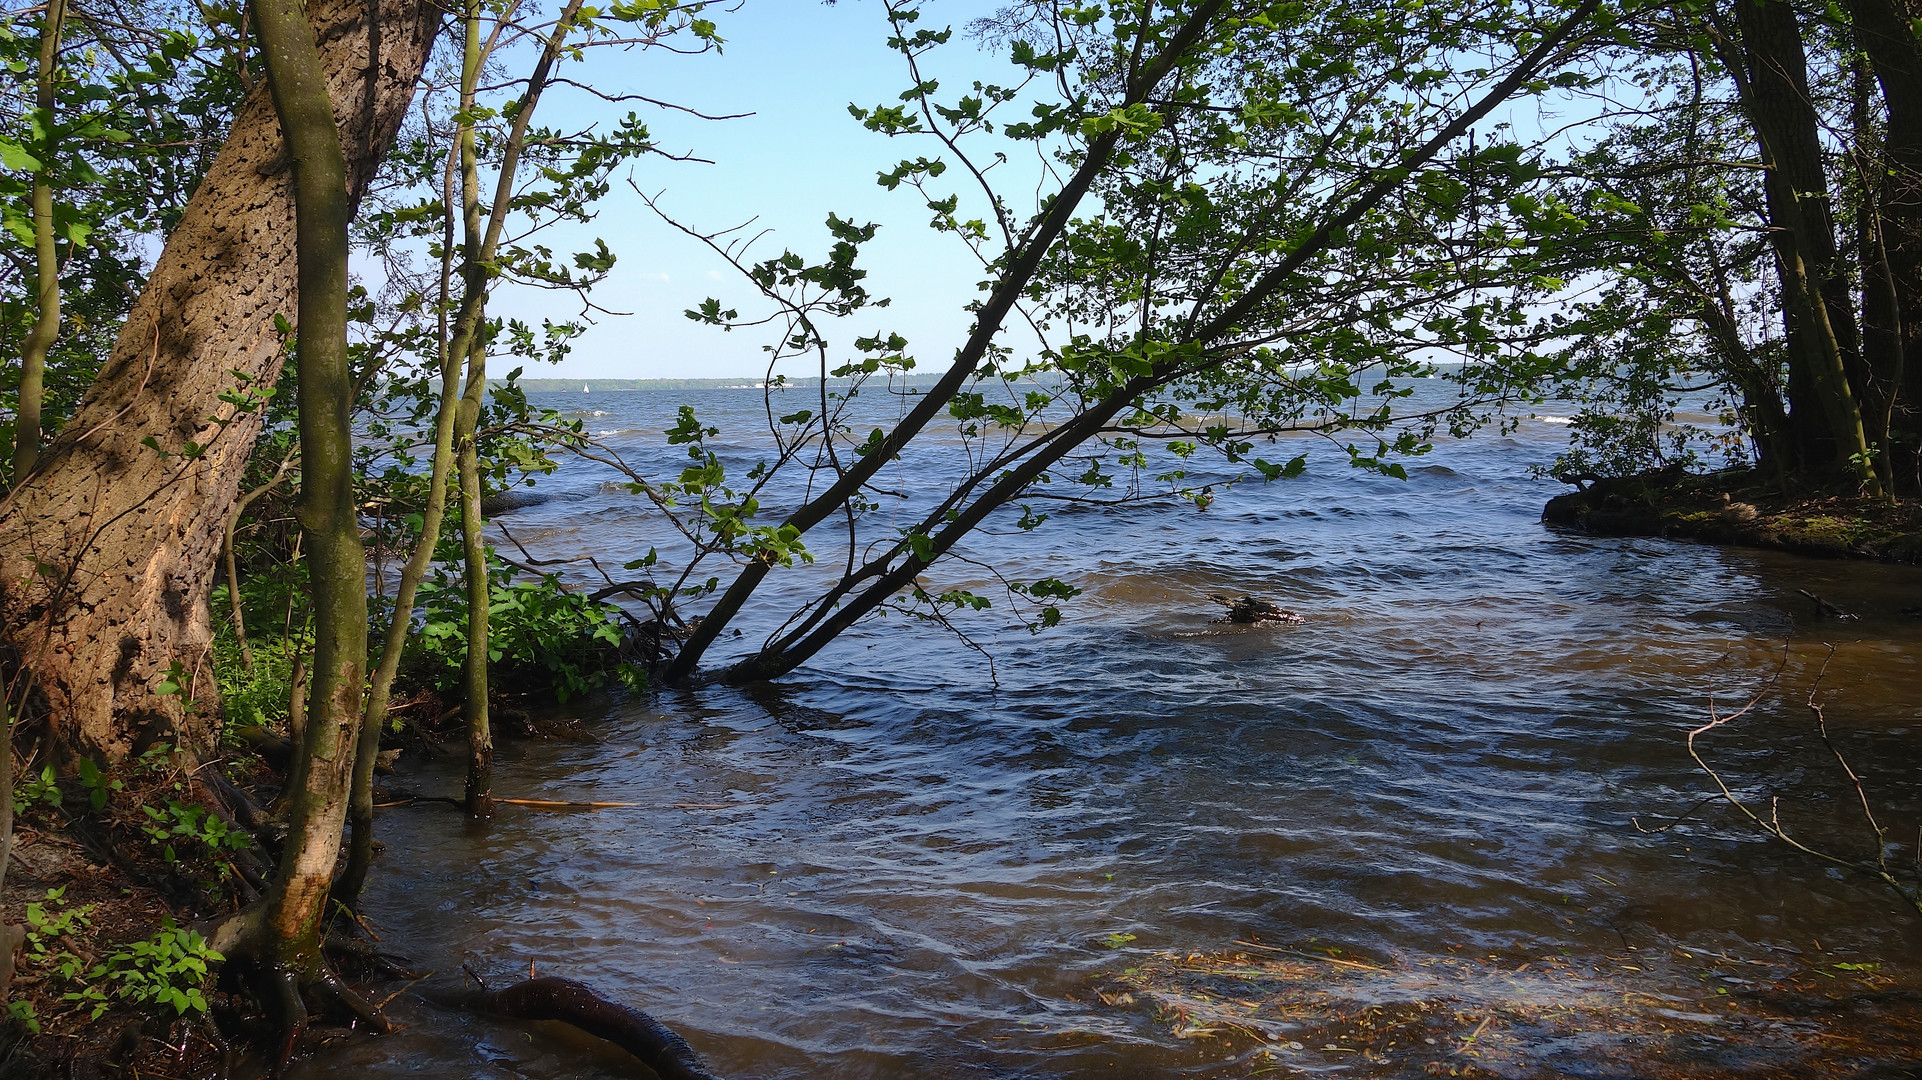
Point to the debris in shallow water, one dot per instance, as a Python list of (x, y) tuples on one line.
[(1489, 1017), (1826, 610)]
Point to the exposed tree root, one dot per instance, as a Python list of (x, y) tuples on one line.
[(577, 1004), (284, 986)]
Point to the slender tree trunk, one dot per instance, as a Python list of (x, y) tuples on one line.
[(360, 812), (233, 570), (477, 253), (108, 552), (46, 261), (469, 340), (472, 340), (291, 918), (11, 934), (480, 737)]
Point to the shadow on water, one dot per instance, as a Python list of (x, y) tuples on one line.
[(1403, 838)]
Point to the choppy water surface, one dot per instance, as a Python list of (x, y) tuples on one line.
[(893, 864)]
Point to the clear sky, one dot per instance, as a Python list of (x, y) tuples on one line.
[(796, 65)]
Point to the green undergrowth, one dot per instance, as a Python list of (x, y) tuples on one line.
[(258, 697), (117, 945)]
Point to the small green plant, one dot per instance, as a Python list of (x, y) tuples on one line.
[(48, 920), (22, 1013), (37, 790), (1117, 939), (256, 698), (164, 970), (98, 787), (184, 821)]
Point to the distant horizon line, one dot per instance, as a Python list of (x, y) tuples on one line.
[(744, 382)]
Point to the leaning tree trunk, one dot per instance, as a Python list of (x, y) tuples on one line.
[(107, 552)]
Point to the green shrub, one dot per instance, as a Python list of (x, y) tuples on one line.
[(535, 629), (186, 822)]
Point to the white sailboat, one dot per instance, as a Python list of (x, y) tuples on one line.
[(583, 388)]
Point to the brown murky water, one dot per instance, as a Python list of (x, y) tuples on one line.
[(1404, 838)]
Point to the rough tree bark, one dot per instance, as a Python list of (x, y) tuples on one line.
[(108, 550)]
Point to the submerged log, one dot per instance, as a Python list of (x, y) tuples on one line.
[(1248, 609), (632, 1030), (506, 501)]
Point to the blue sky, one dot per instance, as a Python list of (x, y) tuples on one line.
[(796, 65)]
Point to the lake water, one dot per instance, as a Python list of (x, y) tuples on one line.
[(1418, 814)]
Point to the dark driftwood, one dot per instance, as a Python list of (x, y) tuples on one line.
[(1826, 610), (632, 1030)]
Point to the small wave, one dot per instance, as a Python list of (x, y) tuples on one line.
[(1556, 419)]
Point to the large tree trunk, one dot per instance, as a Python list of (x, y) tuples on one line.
[(1826, 372), (1885, 29), (107, 552)]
